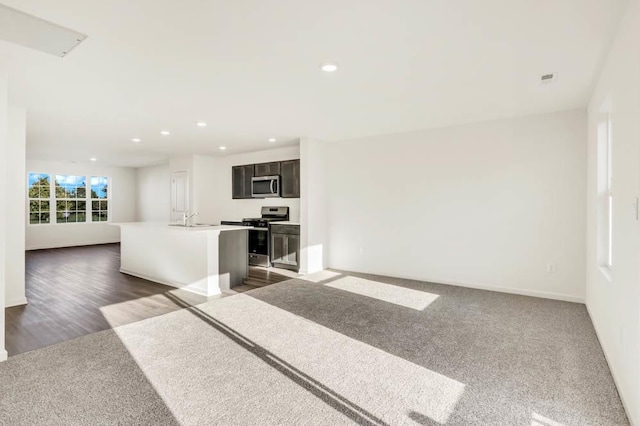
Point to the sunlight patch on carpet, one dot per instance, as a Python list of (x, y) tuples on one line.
[(539, 420), (284, 366), (318, 277), (402, 296)]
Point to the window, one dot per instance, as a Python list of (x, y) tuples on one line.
[(609, 192), (67, 199), (605, 191), (99, 198), (39, 189), (71, 199)]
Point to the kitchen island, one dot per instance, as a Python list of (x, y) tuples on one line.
[(202, 259)]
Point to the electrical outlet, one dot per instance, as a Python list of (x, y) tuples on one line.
[(551, 267)]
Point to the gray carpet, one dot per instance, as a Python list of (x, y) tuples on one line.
[(328, 349)]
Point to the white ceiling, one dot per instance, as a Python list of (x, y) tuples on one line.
[(250, 69)]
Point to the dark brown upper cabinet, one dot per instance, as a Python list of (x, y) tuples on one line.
[(290, 183), (267, 169), (289, 172), (241, 181)]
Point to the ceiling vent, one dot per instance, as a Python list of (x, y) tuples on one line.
[(548, 78), (30, 31)]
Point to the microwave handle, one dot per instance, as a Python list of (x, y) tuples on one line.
[(274, 186)]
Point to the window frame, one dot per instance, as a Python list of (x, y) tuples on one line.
[(605, 192), (90, 199), (66, 200), (609, 193), (53, 219), (30, 199)]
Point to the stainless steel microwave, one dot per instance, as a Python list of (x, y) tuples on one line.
[(265, 186)]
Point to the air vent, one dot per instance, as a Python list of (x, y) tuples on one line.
[(30, 31), (548, 78)]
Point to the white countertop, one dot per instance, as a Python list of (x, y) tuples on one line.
[(285, 223), (179, 228)]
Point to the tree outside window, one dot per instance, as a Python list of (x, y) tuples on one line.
[(67, 198), (39, 189), (71, 199), (99, 198)]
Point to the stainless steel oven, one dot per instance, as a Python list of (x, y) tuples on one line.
[(259, 236), (259, 246), (265, 186)]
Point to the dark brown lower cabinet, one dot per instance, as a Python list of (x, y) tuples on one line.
[(285, 246)]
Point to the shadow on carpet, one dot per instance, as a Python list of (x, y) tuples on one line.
[(333, 348)]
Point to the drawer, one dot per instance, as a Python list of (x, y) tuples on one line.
[(285, 229)]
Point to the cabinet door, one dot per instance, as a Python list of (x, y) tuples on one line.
[(292, 247), (267, 169), (278, 248), (237, 181), (248, 174), (241, 181), (290, 179)]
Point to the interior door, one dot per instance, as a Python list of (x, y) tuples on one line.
[(179, 195)]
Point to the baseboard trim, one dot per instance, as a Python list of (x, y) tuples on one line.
[(632, 421), (169, 283), (4, 355), (62, 245), (487, 287), (521, 292), (15, 302)]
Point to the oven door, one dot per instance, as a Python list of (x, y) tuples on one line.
[(265, 186), (259, 247)]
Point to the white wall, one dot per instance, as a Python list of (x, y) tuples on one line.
[(212, 194), (314, 169), (3, 191), (122, 207), (485, 205), (209, 187), (614, 303), (15, 211), (153, 188)]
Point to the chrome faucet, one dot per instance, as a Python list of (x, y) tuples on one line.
[(186, 217)]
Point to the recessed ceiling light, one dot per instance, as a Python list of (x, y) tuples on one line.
[(136, 140), (222, 148), (329, 66), (94, 159), (272, 139), (201, 124), (165, 133)]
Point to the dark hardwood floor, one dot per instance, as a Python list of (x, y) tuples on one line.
[(259, 276), (80, 290)]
